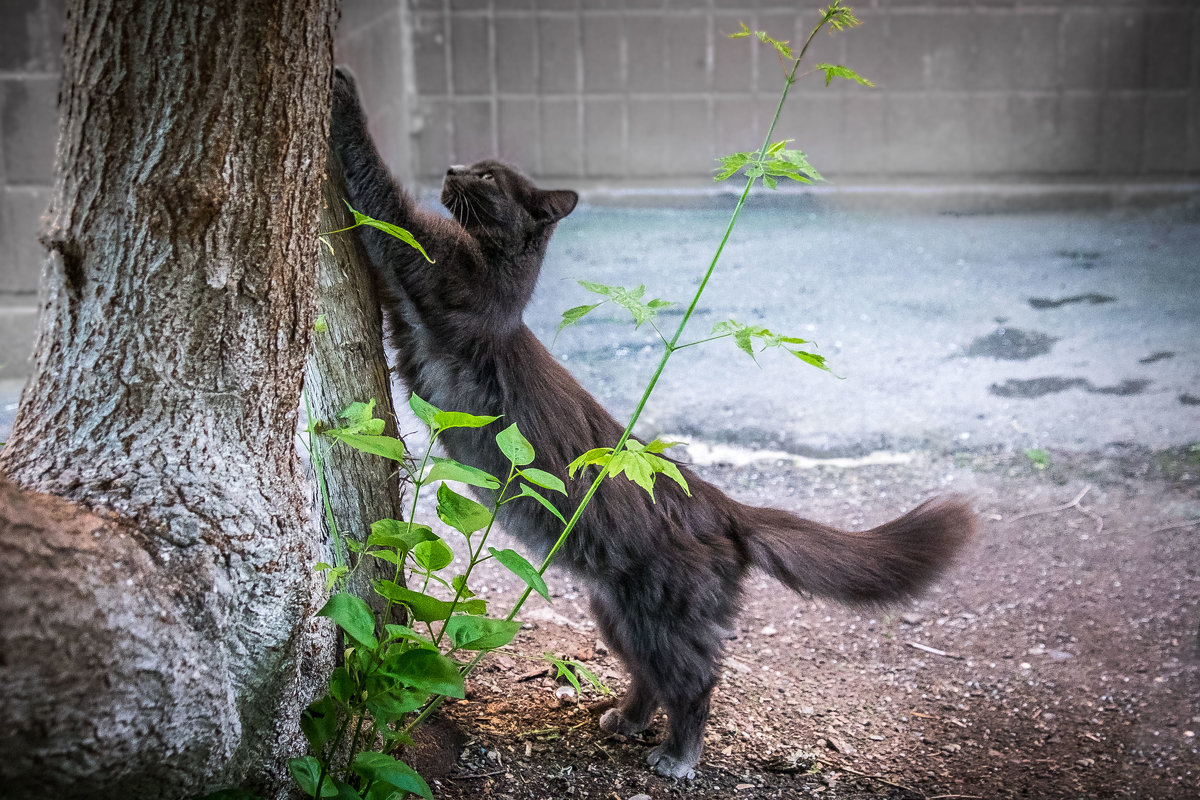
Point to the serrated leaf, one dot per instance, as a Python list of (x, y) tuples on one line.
[(383, 768), (659, 446), (597, 456), (515, 446), (517, 565), (811, 358), (480, 633), (528, 492), (573, 315), (390, 229), (461, 513), (353, 616), (837, 71), (669, 468), (446, 469)]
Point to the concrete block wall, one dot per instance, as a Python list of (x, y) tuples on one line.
[(30, 38), (650, 90)]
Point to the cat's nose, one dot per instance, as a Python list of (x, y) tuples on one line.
[(456, 169)]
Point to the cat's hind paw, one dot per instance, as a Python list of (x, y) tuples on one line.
[(613, 721), (670, 766)]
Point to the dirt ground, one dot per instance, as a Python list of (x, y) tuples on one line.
[(1059, 658)]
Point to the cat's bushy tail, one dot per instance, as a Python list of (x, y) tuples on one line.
[(891, 562)]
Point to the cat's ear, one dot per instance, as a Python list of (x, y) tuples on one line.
[(554, 205)]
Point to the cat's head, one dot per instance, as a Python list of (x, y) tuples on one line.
[(495, 199)]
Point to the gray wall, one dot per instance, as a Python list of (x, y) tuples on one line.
[(646, 92), (651, 89)]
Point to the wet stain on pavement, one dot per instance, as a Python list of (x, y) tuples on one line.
[(1084, 259), (1040, 387), (1012, 344), (1161, 355), (1041, 303)]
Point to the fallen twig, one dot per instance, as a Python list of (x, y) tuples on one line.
[(879, 778), (1176, 525), (1099, 520), (934, 650)]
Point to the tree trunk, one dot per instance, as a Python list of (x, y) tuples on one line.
[(346, 365), (157, 637)]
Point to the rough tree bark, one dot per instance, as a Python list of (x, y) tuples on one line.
[(347, 364), (157, 595)]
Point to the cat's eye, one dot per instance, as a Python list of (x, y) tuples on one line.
[(487, 176)]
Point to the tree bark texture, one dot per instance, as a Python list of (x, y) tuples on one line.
[(157, 632), (347, 364)]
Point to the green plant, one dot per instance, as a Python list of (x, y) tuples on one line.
[(1040, 459), (389, 672)]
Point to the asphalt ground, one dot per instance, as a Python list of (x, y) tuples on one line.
[(1071, 330)]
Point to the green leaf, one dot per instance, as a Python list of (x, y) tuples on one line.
[(446, 469), (425, 412), (459, 582), (461, 513), (598, 456), (433, 555), (517, 565), (385, 769), (395, 702), (781, 47), (428, 670), (839, 16), (812, 358), (353, 615), (385, 446), (528, 492), (423, 607), (573, 315), (341, 685), (564, 671), (321, 325), (629, 299), (444, 420), (390, 229), (543, 479), (659, 446), (402, 536), (319, 722), (837, 71), (480, 633), (635, 467), (307, 771), (515, 446)]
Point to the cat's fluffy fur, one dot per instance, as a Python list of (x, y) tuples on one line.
[(663, 576)]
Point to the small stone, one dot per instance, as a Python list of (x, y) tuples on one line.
[(493, 756), (564, 694), (1085, 762), (909, 618), (640, 797), (1026, 665), (952, 748), (768, 630), (841, 746)]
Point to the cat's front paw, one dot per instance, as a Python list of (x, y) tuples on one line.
[(670, 766), (613, 721)]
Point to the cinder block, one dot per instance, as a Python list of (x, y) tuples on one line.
[(21, 254), (649, 136), (562, 139), (432, 139), (814, 122), (864, 133), (471, 57), (429, 54), (1077, 144), (1083, 58), (733, 59), (906, 51), (952, 51), (468, 5), (646, 54), (687, 54), (17, 47), (472, 131), (928, 134), (1166, 135), (1122, 129), (1032, 134), (865, 49), (1193, 160), (603, 41), (558, 53), (18, 329), (1126, 54), (689, 150), (604, 138), (363, 14), (736, 125), (995, 34), (1169, 59), (518, 131), (29, 128), (1035, 60), (989, 129), (516, 54)]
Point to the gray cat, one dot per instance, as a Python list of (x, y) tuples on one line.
[(664, 577)]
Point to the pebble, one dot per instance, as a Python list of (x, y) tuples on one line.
[(640, 797)]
